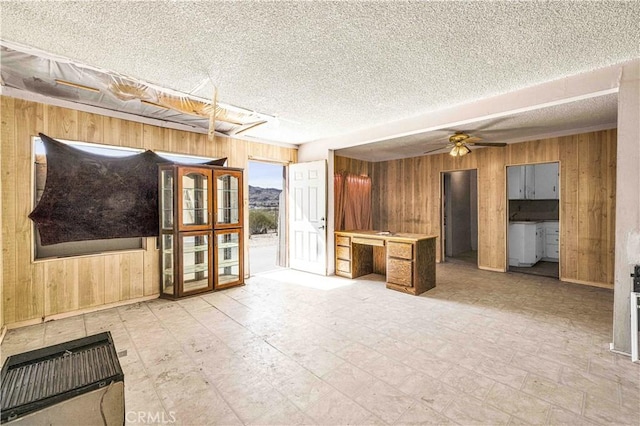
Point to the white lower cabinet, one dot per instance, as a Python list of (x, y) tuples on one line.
[(552, 241), (530, 242), (526, 243), (539, 241)]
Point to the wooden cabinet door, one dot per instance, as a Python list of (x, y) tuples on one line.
[(194, 264), (228, 255), (228, 198), (194, 198), (166, 197)]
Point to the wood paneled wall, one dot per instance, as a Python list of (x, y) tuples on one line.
[(35, 290), (407, 198), (350, 165), (587, 208)]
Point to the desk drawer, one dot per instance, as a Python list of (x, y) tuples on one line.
[(367, 241), (343, 241), (343, 253), (343, 266), (400, 272), (401, 250)]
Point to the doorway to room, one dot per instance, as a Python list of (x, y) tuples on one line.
[(267, 217), (533, 235), (460, 216)]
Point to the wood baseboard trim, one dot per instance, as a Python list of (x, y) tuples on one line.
[(25, 323), (487, 268), (3, 332), (54, 317), (589, 283)]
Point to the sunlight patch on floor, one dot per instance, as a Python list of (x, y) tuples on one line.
[(306, 279)]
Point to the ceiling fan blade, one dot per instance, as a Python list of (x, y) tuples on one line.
[(472, 139), (488, 143), (436, 149)]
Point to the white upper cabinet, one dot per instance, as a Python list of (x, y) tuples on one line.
[(546, 181), (533, 182), (515, 182)]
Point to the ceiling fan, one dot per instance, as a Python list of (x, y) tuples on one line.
[(458, 144)]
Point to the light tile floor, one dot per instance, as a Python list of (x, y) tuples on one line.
[(291, 348)]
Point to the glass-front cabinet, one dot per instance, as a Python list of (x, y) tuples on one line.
[(195, 203), (195, 258), (228, 202), (228, 248), (201, 235)]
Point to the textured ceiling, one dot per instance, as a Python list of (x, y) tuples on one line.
[(599, 112), (329, 68)]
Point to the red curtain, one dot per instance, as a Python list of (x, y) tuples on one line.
[(352, 202)]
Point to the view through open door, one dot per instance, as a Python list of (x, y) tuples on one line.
[(307, 217)]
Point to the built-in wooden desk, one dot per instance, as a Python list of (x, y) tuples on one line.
[(407, 260)]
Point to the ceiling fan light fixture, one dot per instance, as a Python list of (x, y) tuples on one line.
[(459, 150)]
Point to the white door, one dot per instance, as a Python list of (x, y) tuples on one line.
[(307, 217)]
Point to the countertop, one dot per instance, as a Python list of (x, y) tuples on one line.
[(386, 235), (515, 222)]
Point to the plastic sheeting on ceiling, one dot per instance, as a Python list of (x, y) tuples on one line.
[(63, 79)]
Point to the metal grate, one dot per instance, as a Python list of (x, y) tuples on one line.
[(40, 378)]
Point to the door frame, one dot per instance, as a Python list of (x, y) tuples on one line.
[(506, 215), (442, 212), (285, 189)]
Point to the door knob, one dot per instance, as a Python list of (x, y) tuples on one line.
[(321, 227)]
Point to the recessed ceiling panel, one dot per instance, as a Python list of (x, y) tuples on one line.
[(575, 117)]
